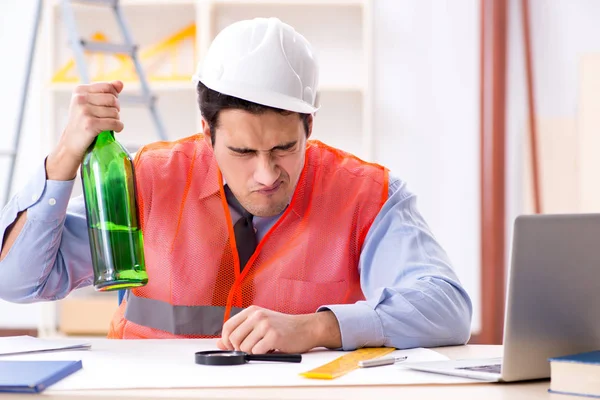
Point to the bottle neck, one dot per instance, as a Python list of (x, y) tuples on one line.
[(105, 137)]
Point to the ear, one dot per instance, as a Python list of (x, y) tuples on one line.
[(206, 132), (310, 126)]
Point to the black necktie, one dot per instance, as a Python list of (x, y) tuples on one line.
[(245, 238)]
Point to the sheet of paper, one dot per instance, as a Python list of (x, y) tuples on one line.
[(148, 364), (27, 344)]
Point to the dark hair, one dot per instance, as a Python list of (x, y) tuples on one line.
[(212, 102)]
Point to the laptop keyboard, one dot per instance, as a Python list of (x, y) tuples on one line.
[(494, 368)]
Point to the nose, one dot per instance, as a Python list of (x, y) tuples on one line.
[(266, 172)]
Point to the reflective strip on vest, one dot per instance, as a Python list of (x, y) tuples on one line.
[(178, 320)]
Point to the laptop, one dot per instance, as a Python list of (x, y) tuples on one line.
[(552, 300)]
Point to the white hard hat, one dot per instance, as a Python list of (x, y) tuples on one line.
[(264, 61)]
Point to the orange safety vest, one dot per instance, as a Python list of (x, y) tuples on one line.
[(308, 259)]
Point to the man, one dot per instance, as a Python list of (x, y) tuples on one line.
[(251, 232)]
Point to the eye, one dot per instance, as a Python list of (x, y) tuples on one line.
[(281, 152), (243, 153), (285, 150)]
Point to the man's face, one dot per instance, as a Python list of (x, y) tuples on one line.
[(261, 157)]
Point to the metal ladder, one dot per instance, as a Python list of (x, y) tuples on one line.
[(79, 45)]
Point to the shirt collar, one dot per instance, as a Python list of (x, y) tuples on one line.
[(208, 190)]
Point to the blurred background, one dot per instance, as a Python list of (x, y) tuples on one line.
[(436, 90)]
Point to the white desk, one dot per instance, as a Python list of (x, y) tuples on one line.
[(514, 391)]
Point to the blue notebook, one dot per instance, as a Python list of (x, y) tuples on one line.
[(34, 376), (592, 357), (576, 374)]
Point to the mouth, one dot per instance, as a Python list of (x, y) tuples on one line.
[(271, 189)]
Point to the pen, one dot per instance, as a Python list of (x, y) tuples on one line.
[(380, 361)]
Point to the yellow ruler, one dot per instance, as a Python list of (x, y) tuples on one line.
[(346, 363)]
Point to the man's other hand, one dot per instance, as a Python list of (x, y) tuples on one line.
[(258, 330)]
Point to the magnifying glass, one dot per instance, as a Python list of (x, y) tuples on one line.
[(225, 357)]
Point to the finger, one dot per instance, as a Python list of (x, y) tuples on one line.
[(102, 112), (108, 124), (118, 85), (264, 346), (103, 99), (253, 337), (220, 345), (241, 333), (117, 124), (100, 87), (232, 323)]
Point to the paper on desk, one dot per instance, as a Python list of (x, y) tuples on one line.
[(11, 345), (149, 364)]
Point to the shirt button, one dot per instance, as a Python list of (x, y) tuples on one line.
[(52, 201)]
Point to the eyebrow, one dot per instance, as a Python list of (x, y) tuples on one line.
[(246, 150)]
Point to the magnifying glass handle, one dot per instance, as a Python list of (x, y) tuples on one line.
[(293, 358)]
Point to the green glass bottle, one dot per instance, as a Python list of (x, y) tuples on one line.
[(116, 239)]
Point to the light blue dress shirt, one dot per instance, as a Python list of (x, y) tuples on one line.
[(413, 297)]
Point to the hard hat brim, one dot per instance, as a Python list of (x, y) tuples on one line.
[(258, 96)]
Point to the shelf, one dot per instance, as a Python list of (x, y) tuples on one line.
[(86, 316), (134, 86), (292, 2), (126, 3), (339, 122), (165, 86)]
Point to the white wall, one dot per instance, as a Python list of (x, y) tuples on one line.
[(562, 32), (15, 32), (427, 105), (427, 117)]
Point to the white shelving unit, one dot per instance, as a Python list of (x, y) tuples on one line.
[(339, 30)]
